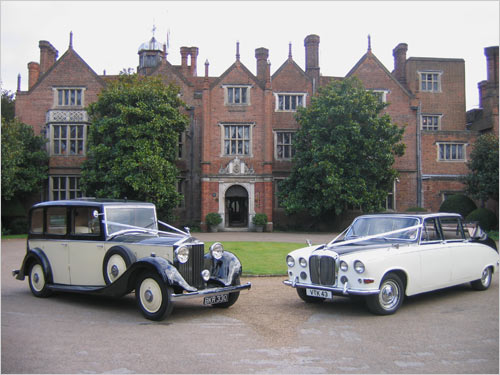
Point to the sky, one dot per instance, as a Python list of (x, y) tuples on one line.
[(107, 34)]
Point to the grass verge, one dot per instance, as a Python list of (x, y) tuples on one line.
[(261, 258)]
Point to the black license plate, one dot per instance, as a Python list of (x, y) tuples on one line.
[(213, 300)]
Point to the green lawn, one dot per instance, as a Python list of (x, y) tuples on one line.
[(261, 258)]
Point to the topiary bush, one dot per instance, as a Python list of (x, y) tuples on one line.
[(486, 218), (459, 204), (213, 219)]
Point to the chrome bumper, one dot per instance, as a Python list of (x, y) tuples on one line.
[(210, 292), (344, 290)]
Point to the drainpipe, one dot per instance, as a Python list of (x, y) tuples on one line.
[(419, 158)]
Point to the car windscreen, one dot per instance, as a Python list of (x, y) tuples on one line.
[(371, 226), (129, 218)]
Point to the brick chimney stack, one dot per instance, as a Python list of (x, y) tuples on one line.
[(261, 54), (311, 43), (33, 73), (48, 56), (194, 56), (491, 54), (488, 90), (399, 54)]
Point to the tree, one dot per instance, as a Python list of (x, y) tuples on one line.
[(482, 181), (24, 160), (133, 138), (344, 152), (8, 106)]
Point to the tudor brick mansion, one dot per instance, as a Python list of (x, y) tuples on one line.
[(238, 145)]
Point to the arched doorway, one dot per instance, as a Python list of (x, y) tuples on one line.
[(236, 212)]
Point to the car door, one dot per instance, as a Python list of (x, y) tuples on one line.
[(86, 248), (463, 268), (435, 262), (55, 243)]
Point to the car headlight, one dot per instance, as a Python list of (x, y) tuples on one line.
[(343, 266), (359, 267), (303, 262), (217, 250), (290, 261), (182, 254)]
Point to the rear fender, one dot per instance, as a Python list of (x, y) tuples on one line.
[(32, 256)]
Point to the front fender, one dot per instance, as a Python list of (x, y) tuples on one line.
[(34, 255), (225, 270), (127, 281)]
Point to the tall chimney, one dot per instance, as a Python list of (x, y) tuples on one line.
[(194, 56), (261, 54), (184, 57), (399, 53), (311, 43), (491, 54), (48, 56), (33, 73)]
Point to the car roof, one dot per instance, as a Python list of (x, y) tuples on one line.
[(423, 215), (101, 202)]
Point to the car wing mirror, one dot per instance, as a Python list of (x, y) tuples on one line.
[(96, 214)]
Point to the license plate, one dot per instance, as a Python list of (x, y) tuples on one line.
[(213, 300), (319, 293)]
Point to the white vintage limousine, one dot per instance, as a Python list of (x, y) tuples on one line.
[(384, 257)]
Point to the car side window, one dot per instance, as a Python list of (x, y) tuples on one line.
[(84, 222), (36, 224), (452, 229), (56, 219), (430, 232)]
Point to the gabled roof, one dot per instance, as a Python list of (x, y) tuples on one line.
[(291, 62), (174, 69), (69, 52), (237, 65), (371, 56)]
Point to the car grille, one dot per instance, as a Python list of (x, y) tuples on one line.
[(322, 269), (191, 270)]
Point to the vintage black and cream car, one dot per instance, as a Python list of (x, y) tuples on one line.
[(384, 257), (111, 247)]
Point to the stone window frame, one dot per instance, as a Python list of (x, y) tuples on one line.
[(223, 138), (434, 82), (381, 94), (65, 190), (432, 127), (295, 95), (445, 152), (68, 139), (276, 144), (230, 88), (60, 96)]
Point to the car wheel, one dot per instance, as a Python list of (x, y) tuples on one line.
[(390, 297), (304, 297), (484, 282), (38, 281), (153, 296), (232, 298), (115, 263)]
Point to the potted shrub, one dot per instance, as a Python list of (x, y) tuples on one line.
[(259, 220), (213, 219)]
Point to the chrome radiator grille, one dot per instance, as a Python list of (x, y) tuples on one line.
[(191, 270), (322, 269)]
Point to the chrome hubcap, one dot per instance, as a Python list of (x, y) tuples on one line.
[(148, 295), (485, 278), (114, 270), (389, 295)]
